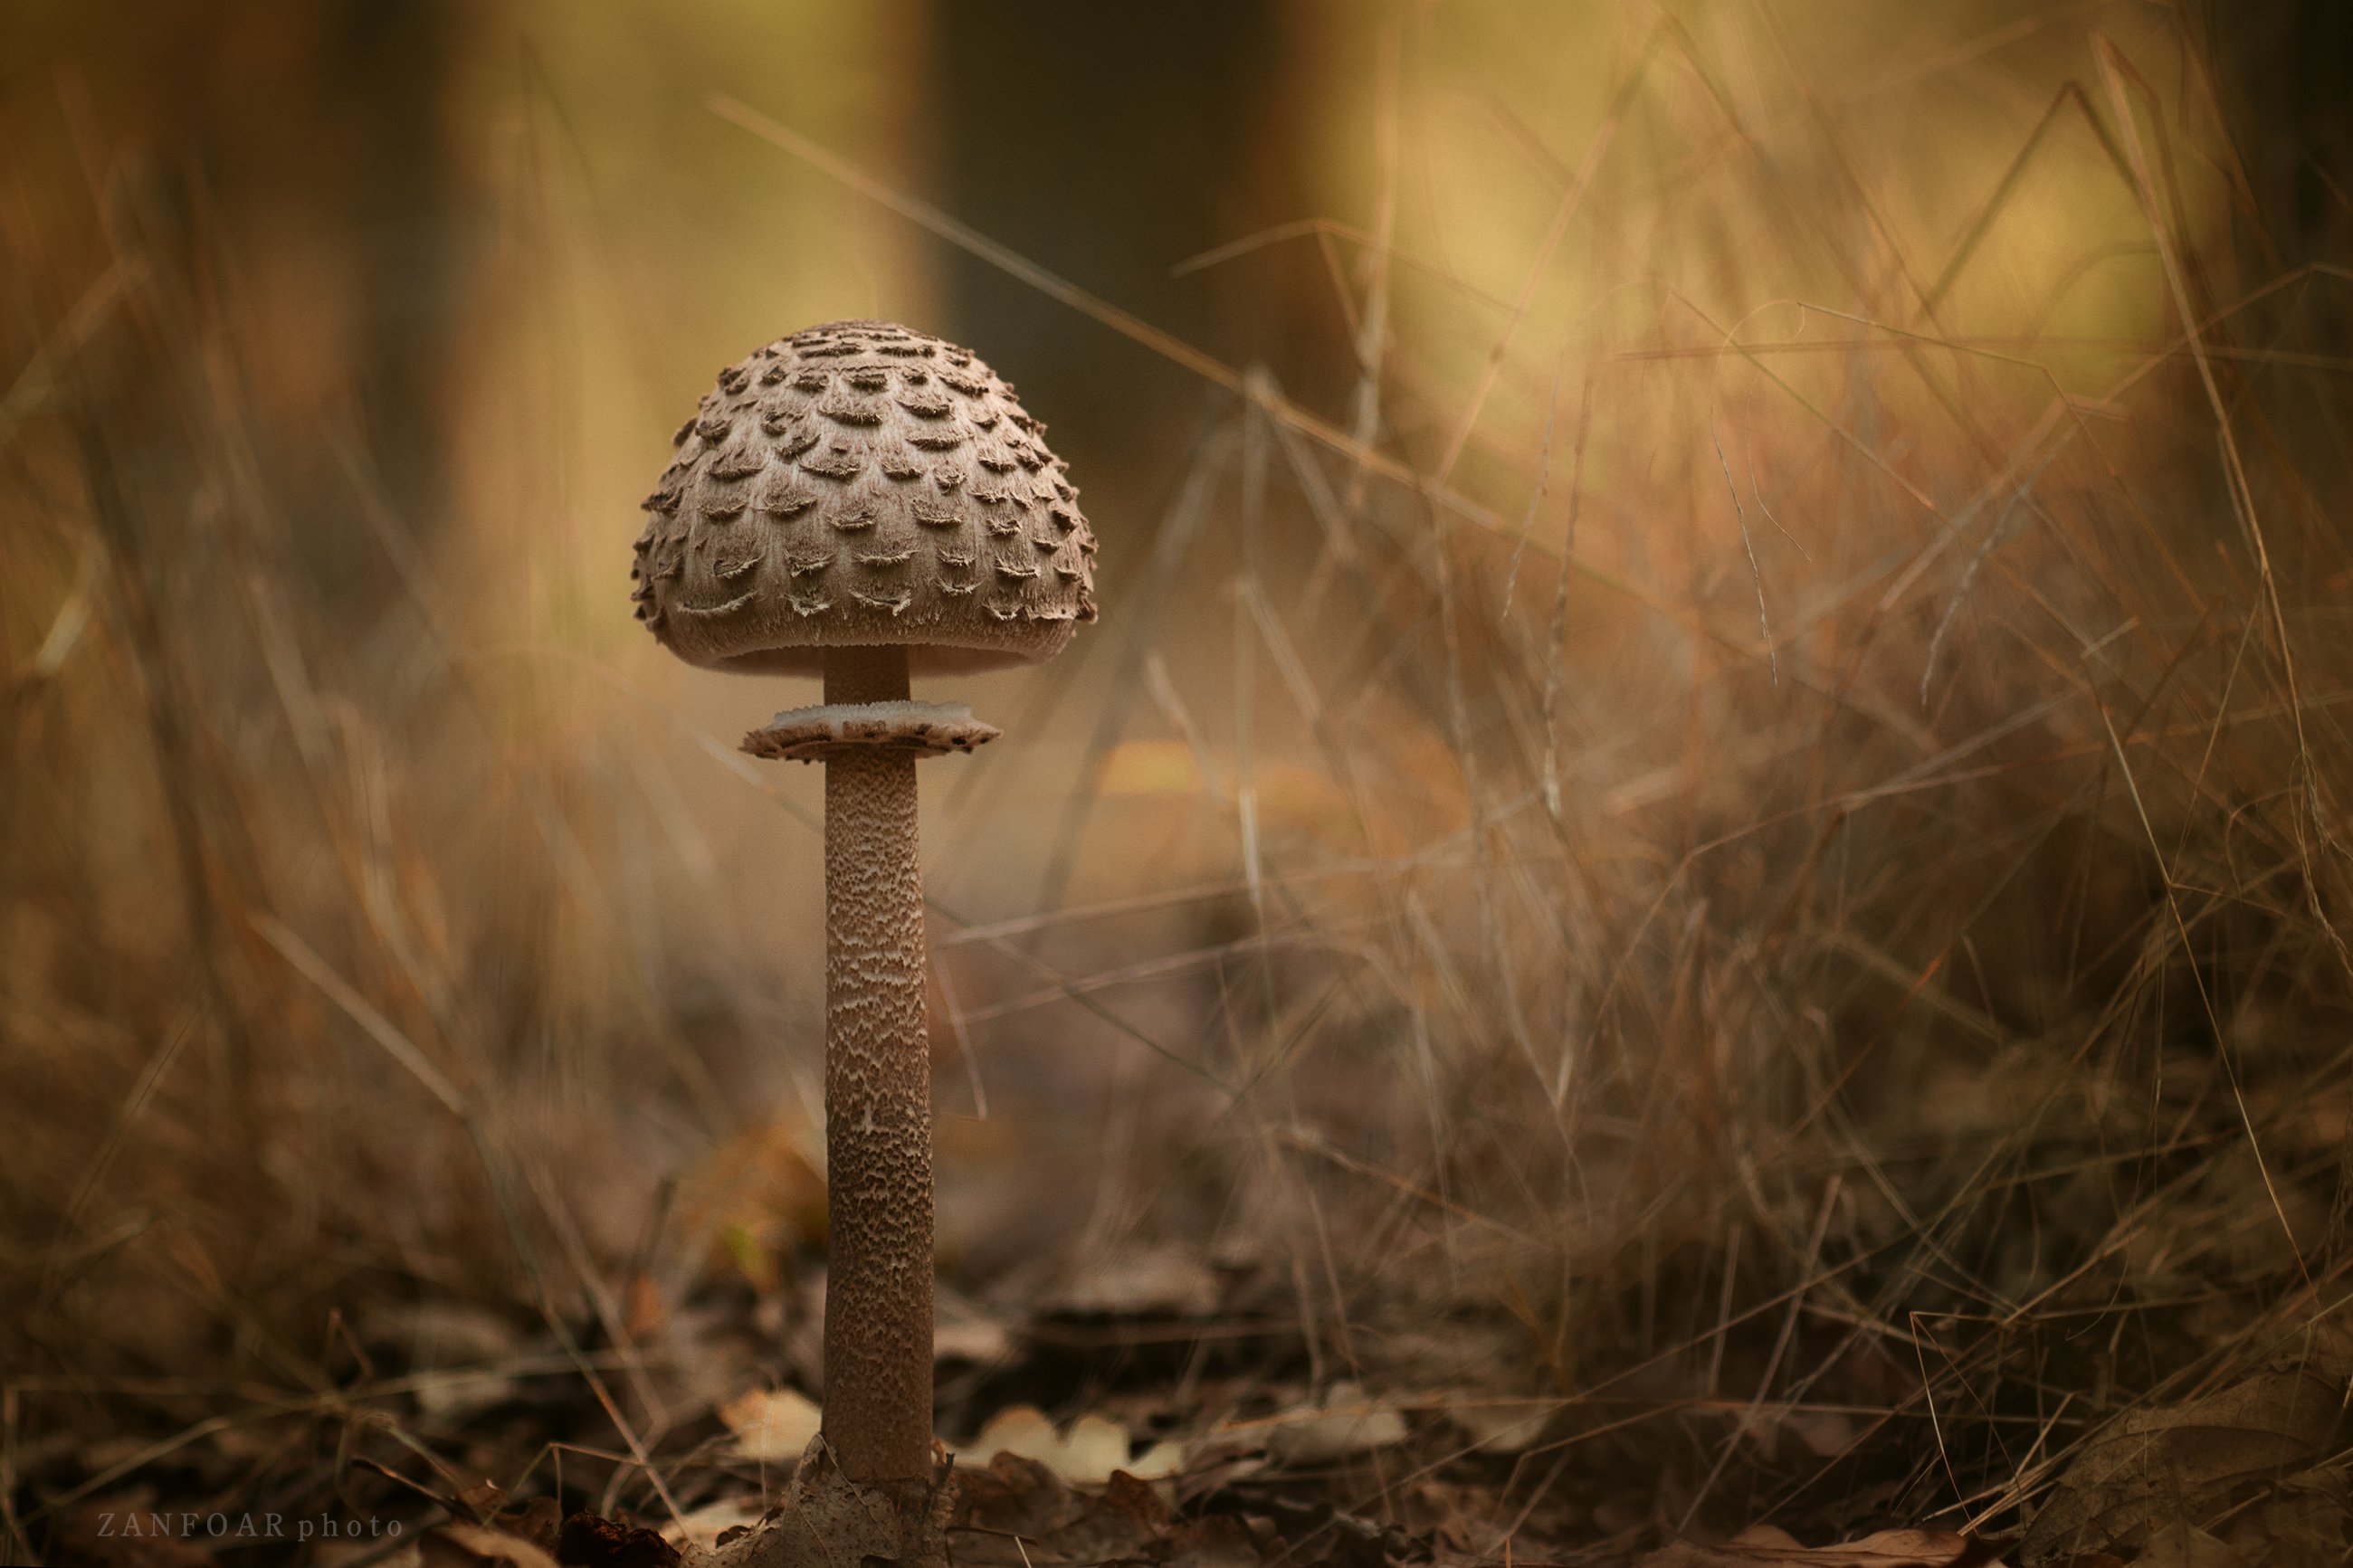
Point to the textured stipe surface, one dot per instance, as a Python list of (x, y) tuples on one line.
[(862, 483), (829, 1520), (918, 729), (878, 1097)]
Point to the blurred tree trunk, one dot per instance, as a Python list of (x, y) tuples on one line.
[(1109, 143), (290, 171), (2288, 87)]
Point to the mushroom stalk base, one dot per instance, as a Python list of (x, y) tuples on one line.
[(878, 1096)]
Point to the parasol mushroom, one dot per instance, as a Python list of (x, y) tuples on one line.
[(863, 502)]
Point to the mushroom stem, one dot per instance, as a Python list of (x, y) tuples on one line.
[(878, 1096)]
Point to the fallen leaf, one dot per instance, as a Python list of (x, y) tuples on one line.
[(589, 1540), (2187, 1463), (485, 1499), (478, 1546), (2306, 1519), (961, 1333), (538, 1521), (1138, 1282), (1888, 1549), (1012, 1500), (1503, 1427), (772, 1426), (1017, 1513), (698, 1531), (1825, 1433), (1160, 1462), (1344, 1422), (2186, 1546), (1089, 1453)]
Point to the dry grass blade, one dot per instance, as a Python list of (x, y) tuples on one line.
[(1826, 1015)]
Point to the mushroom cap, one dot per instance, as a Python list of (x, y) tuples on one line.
[(862, 483)]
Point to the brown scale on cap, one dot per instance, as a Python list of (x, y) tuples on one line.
[(870, 435)]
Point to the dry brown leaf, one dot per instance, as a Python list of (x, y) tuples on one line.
[(591, 1541), (1088, 1453), (771, 1425), (2186, 1546), (1344, 1422), (1017, 1513), (1138, 1282), (2305, 1522), (1017, 1508), (539, 1520), (696, 1533), (2185, 1463), (1502, 1426), (1824, 1433), (962, 1331), (1888, 1549), (479, 1546)]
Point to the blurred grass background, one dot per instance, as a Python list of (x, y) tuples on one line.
[(1710, 795)]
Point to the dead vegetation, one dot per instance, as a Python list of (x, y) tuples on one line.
[(1720, 905)]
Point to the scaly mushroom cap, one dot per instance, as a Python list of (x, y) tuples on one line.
[(863, 483)]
